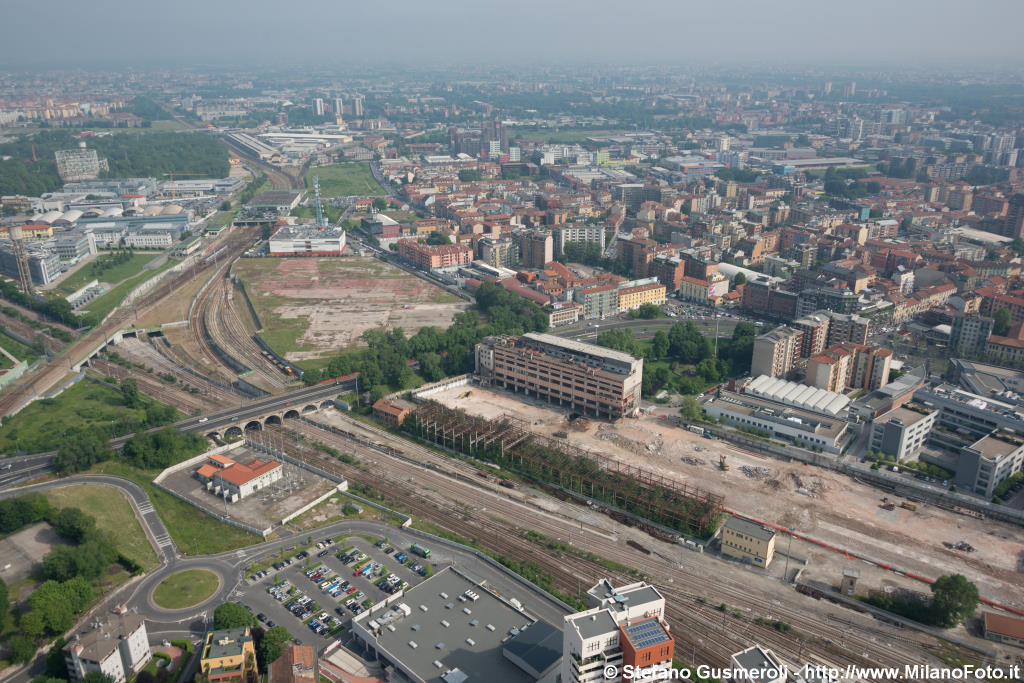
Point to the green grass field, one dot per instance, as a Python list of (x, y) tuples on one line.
[(17, 349), (44, 424), (113, 298), (194, 531), (114, 514), (185, 589), (344, 180), (113, 275)]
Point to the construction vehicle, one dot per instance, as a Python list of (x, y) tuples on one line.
[(722, 464), (907, 505), (466, 394), (888, 506)]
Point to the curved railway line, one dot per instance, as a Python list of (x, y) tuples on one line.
[(52, 373), (227, 329), (709, 634)]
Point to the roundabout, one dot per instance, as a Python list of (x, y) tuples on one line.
[(185, 589)]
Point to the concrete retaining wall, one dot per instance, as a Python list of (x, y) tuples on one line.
[(450, 383), (192, 462), (340, 488)]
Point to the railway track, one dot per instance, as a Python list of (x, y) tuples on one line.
[(149, 354), (229, 332), (26, 331), (52, 373), (711, 635), (187, 403)]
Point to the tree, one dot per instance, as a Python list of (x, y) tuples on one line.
[(739, 279), (271, 646), (954, 598), (225, 205), (660, 344), (130, 389), (97, 677), (230, 615), (5, 602), (647, 311), (73, 525), (690, 409), (1001, 324), (21, 648), (380, 204), (31, 624)]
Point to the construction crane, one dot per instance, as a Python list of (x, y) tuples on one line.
[(173, 187), (321, 222), (21, 258)]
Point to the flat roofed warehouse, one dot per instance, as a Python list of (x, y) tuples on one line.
[(450, 628)]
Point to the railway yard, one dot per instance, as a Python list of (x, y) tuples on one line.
[(820, 503), (453, 496), (205, 358)]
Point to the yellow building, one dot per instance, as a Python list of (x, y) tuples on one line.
[(229, 655), (32, 231), (748, 542), (634, 297)]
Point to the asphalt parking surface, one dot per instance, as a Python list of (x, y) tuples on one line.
[(255, 596)]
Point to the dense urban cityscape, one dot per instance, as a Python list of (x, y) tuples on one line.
[(568, 371)]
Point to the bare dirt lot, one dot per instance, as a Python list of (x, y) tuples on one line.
[(816, 502), (22, 551), (313, 306)]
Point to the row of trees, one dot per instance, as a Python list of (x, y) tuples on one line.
[(685, 345), (389, 358), (145, 450)]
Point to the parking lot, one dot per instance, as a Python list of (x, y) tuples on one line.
[(315, 593)]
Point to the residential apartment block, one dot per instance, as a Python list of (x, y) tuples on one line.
[(118, 648), (434, 256), (228, 655), (631, 298), (622, 627), (776, 352)]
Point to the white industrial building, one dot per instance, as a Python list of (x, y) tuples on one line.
[(117, 648), (801, 427), (234, 481), (307, 240), (798, 395)]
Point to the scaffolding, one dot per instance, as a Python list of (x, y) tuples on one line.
[(584, 473)]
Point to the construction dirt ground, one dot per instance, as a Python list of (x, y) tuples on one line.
[(819, 503), (315, 306)]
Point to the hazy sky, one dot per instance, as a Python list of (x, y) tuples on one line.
[(893, 33)]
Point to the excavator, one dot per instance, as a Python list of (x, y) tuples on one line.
[(722, 464)]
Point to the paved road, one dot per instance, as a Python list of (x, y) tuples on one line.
[(230, 567)]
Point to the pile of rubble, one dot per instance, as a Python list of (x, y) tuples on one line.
[(759, 473), (690, 460)]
